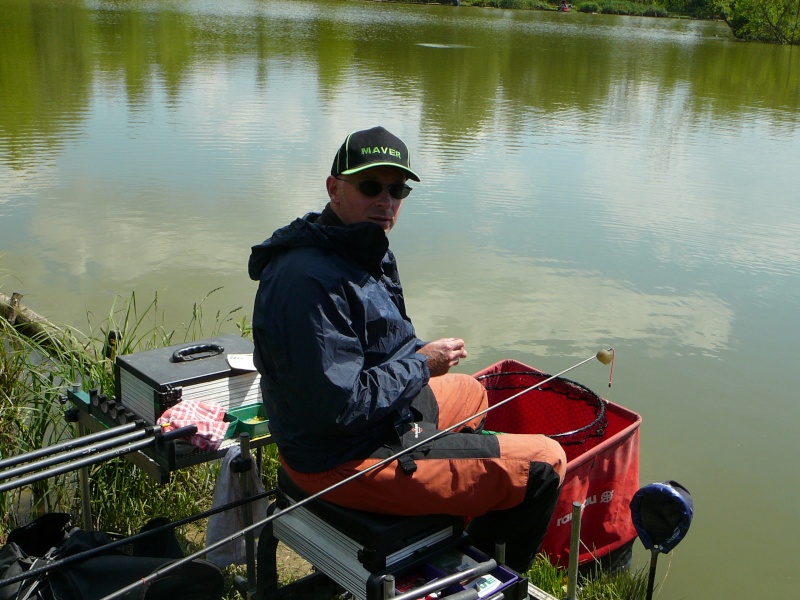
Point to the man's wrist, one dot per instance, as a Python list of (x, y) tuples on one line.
[(424, 360)]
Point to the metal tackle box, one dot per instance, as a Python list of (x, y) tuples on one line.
[(150, 382)]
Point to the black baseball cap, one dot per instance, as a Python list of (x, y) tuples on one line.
[(369, 148)]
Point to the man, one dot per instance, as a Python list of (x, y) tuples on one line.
[(346, 382)]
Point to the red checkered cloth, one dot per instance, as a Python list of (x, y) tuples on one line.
[(209, 418)]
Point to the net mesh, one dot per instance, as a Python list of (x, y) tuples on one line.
[(561, 409)]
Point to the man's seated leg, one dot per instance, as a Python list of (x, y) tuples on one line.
[(459, 396), (523, 527), (508, 483)]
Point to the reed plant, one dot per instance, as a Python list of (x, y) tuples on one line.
[(510, 4), (610, 7), (623, 584), (30, 414)]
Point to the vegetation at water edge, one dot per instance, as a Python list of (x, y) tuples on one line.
[(772, 21)]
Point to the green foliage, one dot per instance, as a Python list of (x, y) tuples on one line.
[(701, 9), (609, 7), (30, 416), (654, 10), (775, 21), (622, 7), (548, 577), (510, 4), (599, 585), (622, 585), (615, 7)]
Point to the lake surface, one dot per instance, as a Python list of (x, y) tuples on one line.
[(587, 181)]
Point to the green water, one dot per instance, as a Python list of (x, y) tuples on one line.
[(587, 181)]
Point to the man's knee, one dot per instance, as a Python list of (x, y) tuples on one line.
[(459, 397), (556, 458), (536, 449)]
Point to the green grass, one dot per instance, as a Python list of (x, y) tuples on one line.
[(622, 585), (34, 373), (511, 4), (610, 7), (621, 7)]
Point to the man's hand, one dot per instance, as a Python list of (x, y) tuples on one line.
[(443, 354)]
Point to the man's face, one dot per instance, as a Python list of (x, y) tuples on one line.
[(352, 206)]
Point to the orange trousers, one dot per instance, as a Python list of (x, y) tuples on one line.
[(508, 484)]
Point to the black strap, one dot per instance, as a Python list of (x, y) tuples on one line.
[(395, 446), (405, 461)]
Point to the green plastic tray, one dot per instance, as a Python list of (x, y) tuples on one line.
[(233, 423), (247, 413)]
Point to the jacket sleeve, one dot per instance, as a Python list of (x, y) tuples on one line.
[(312, 343), (371, 390)]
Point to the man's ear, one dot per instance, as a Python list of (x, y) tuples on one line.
[(332, 185)]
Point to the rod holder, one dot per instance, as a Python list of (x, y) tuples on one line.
[(500, 552), (574, 548)]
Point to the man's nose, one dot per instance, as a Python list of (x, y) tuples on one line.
[(386, 199)]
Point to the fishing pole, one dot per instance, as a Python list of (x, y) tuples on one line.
[(154, 437), (76, 452), (605, 356), (91, 553), (70, 444)]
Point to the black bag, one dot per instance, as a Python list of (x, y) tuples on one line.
[(13, 561), (28, 547), (47, 539)]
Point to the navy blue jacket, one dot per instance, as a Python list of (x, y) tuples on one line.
[(336, 351)]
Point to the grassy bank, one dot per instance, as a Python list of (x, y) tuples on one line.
[(611, 7), (38, 362), (768, 21)]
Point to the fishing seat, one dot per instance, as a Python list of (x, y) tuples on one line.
[(354, 548)]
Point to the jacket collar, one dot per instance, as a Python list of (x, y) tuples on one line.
[(365, 243)]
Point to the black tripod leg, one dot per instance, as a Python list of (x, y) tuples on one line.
[(652, 578)]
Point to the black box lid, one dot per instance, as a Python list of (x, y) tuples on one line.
[(159, 367)]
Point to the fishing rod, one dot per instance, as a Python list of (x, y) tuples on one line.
[(72, 452), (124, 446), (91, 553), (71, 444), (605, 356)]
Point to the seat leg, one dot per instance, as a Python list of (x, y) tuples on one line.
[(267, 561)]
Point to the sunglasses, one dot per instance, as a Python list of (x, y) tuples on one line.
[(370, 188)]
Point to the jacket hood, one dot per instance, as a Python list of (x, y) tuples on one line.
[(365, 243)]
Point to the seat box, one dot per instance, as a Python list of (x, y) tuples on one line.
[(150, 382)]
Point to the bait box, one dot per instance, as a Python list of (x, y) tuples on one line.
[(243, 414)]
